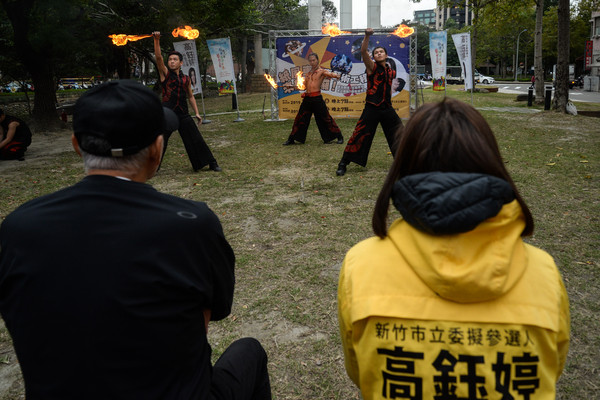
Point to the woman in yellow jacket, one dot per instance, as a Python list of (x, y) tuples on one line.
[(449, 302)]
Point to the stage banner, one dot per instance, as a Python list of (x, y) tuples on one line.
[(462, 41), (190, 63), (438, 43), (220, 53), (345, 97)]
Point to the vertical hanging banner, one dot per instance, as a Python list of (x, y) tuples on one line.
[(589, 52), (345, 97), (190, 63), (438, 43), (220, 53), (462, 41)]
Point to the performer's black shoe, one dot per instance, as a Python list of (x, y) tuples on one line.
[(341, 171), (340, 140), (288, 142), (214, 166)]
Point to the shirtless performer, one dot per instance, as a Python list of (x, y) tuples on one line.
[(312, 102)]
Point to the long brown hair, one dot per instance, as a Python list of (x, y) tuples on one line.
[(448, 136)]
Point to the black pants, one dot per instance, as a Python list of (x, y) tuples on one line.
[(13, 151), (241, 373), (359, 144), (325, 122), (197, 150)]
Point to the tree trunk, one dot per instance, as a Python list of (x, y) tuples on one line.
[(537, 57), (561, 95), (36, 63)]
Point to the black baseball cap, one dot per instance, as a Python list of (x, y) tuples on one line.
[(123, 114)]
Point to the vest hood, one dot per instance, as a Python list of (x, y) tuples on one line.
[(460, 234)]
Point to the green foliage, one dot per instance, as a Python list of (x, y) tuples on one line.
[(500, 30)]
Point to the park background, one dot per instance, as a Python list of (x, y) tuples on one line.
[(288, 217)]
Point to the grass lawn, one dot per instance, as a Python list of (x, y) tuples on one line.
[(290, 220)]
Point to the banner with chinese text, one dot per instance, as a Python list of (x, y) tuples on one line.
[(437, 52), (462, 41), (589, 51), (220, 53), (345, 97), (190, 63)]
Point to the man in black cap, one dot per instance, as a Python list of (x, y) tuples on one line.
[(176, 92), (107, 287)]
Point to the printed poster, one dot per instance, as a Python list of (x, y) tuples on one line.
[(438, 42), (190, 63), (462, 41), (220, 53), (345, 97)]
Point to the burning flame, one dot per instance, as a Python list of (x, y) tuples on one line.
[(332, 30), (300, 81), (271, 81), (122, 39), (187, 32), (403, 31)]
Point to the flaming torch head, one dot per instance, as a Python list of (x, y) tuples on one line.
[(332, 30), (403, 31), (271, 81), (122, 39), (300, 81), (187, 32)]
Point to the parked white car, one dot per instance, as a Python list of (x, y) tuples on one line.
[(483, 79)]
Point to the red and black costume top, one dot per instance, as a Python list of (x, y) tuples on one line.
[(379, 86), (175, 93)]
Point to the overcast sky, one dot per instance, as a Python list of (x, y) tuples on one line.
[(392, 11)]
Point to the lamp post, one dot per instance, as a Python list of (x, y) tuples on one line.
[(517, 55)]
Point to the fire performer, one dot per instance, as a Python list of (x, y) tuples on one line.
[(378, 108), (176, 87), (15, 136), (312, 102)]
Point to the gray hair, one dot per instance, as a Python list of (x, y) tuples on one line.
[(131, 163)]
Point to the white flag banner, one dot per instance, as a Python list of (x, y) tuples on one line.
[(190, 63), (462, 41), (220, 53), (438, 55)]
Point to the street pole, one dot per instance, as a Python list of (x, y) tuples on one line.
[(517, 55)]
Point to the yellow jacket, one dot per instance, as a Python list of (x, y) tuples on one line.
[(474, 315)]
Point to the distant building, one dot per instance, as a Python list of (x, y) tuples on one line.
[(425, 17), (595, 38), (460, 12)]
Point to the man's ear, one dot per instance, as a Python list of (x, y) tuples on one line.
[(157, 147), (156, 153), (75, 144)]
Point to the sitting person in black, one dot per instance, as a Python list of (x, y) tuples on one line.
[(15, 137)]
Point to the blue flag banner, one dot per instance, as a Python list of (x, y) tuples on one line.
[(220, 53), (438, 46)]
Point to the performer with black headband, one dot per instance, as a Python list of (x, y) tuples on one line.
[(378, 108), (177, 91)]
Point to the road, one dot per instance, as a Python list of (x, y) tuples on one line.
[(575, 94)]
